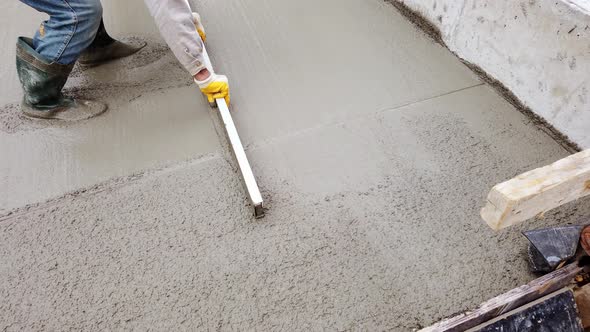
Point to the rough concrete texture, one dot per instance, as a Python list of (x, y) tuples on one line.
[(537, 49), (374, 147)]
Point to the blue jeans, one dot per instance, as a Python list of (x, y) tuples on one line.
[(71, 28)]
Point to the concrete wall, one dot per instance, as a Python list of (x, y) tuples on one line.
[(539, 49)]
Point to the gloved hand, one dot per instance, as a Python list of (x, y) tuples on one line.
[(216, 86), (200, 28)]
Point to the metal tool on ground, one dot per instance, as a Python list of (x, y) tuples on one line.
[(551, 247), (238, 150), (554, 312)]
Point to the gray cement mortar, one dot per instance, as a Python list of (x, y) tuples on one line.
[(396, 249), (372, 198)]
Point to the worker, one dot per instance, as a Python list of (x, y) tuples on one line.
[(75, 32)]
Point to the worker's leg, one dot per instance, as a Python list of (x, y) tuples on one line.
[(71, 28), (45, 62), (104, 48)]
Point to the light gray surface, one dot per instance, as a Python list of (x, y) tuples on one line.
[(374, 160), (156, 117), (287, 75)]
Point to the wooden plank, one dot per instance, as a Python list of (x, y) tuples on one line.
[(538, 191), (509, 301), (554, 312)]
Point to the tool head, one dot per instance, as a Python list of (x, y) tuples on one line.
[(552, 246), (259, 211)]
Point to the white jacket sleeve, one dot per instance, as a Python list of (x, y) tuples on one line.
[(175, 22)]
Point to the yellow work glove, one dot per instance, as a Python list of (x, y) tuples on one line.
[(199, 26), (216, 86)]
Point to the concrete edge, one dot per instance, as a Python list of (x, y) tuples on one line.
[(110, 184), (432, 31)]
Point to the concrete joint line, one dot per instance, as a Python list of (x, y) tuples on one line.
[(111, 184), (274, 141)]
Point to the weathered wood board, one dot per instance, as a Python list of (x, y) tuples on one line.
[(509, 301), (556, 312), (538, 191)]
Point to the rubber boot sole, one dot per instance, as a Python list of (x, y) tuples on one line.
[(77, 110)]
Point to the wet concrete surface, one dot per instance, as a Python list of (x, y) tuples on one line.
[(156, 117), (374, 147)]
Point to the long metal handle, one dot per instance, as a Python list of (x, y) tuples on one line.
[(243, 163), (238, 150)]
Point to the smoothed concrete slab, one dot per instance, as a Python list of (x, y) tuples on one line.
[(42, 163), (156, 117), (299, 64), (438, 139), (287, 74)]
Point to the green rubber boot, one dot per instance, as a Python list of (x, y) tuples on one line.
[(104, 49), (42, 82)]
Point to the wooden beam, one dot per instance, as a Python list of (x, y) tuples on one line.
[(538, 191)]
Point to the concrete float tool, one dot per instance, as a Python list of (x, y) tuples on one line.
[(238, 150)]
